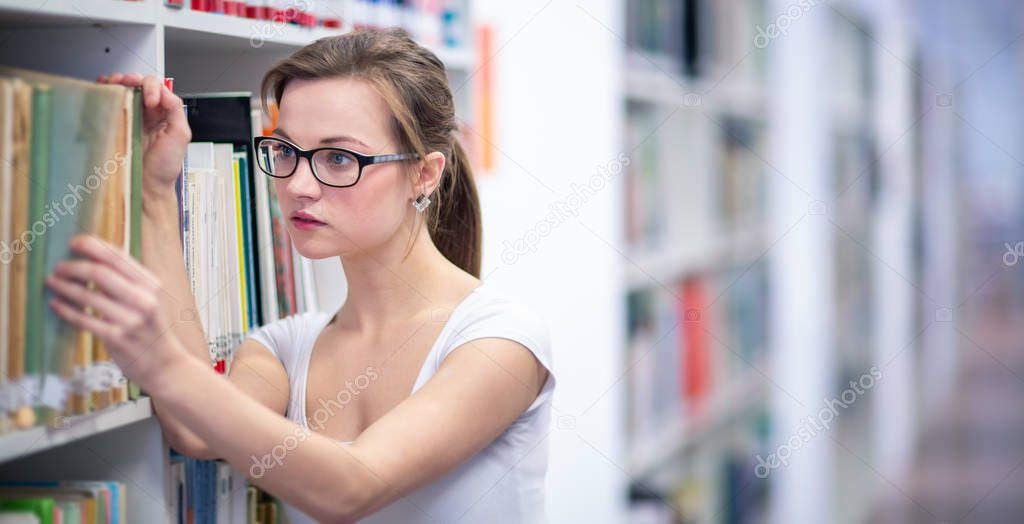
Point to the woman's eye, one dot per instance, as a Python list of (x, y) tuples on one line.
[(339, 159)]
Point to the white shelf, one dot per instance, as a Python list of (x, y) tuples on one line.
[(667, 265), (655, 85), (45, 13), (184, 30), (656, 459), (187, 28), (20, 443)]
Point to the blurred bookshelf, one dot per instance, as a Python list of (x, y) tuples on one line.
[(204, 52), (696, 229), (700, 227)]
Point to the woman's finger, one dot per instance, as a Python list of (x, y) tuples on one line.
[(106, 279), (174, 108), (73, 292), (100, 251), (151, 91), (129, 80), (79, 319)]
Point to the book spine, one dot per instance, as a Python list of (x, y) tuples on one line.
[(34, 309)]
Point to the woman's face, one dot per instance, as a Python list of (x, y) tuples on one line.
[(326, 221)]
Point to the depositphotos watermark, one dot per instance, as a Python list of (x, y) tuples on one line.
[(560, 211), (56, 210), (817, 423), (780, 26), (260, 465), (275, 28)]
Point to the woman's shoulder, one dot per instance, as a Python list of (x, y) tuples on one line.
[(286, 335), (493, 312)]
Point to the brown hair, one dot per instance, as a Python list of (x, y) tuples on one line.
[(412, 81)]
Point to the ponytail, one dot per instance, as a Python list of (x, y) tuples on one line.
[(454, 223)]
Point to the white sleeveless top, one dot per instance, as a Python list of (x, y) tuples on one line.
[(503, 483)]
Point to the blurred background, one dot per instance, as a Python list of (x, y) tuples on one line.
[(780, 247), (778, 242)]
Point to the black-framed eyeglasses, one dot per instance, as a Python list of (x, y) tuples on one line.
[(332, 166)]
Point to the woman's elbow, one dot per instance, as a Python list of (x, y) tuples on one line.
[(344, 508), (186, 444)]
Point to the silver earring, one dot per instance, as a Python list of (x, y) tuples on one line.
[(421, 203)]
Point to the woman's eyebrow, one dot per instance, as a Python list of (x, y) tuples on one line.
[(344, 138), (328, 140)]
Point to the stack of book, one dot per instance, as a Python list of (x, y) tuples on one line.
[(64, 502), (240, 262), (202, 490), (434, 22), (71, 164), (241, 265)]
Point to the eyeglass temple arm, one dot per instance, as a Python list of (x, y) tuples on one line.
[(377, 159)]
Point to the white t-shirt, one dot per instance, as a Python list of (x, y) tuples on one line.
[(503, 483)]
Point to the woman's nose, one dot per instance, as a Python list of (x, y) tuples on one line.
[(302, 183)]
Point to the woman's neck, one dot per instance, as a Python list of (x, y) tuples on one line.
[(386, 287)]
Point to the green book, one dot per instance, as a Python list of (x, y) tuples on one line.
[(38, 178), (136, 213), (135, 247)]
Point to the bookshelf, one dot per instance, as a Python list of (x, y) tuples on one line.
[(204, 53), (695, 233), (797, 241)]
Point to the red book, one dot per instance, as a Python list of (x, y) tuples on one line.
[(696, 359), (258, 12), (234, 7)]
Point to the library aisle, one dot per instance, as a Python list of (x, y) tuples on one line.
[(969, 465)]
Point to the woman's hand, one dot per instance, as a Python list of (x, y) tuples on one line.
[(124, 299), (165, 130)]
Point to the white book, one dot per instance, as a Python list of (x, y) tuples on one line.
[(309, 295), (300, 289), (21, 517), (268, 279), (203, 270), (231, 292), (224, 491)]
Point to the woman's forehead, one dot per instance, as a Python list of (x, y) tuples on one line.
[(322, 110)]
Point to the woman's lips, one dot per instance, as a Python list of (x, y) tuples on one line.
[(305, 221)]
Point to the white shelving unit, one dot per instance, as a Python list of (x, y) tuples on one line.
[(203, 52), (838, 101)]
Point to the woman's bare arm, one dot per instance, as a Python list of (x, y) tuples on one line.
[(478, 391)]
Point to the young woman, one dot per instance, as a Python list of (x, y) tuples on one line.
[(426, 397)]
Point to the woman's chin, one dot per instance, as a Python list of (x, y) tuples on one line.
[(313, 250)]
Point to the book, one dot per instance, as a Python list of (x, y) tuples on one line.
[(70, 143), (6, 174), (20, 147), (34, 307), (696, 366)]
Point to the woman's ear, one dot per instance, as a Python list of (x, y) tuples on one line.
[(429, 176)]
